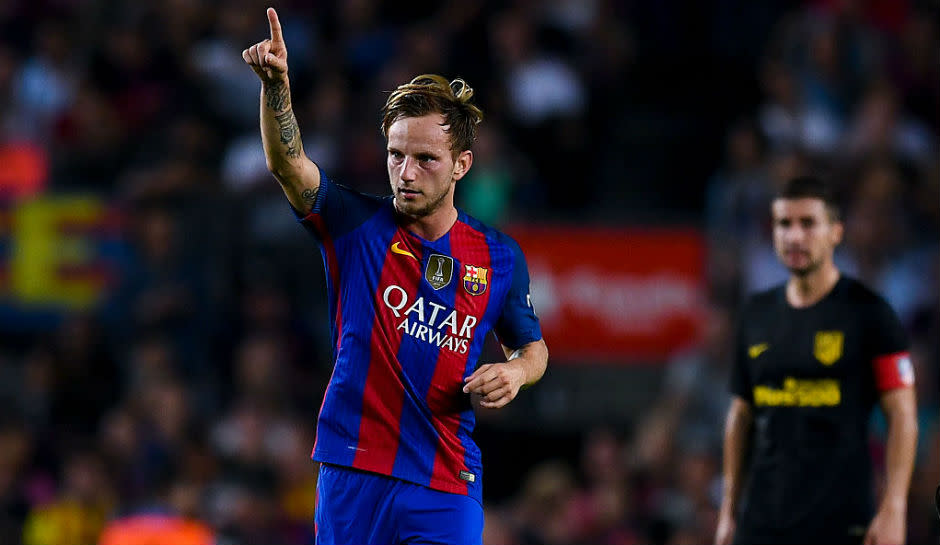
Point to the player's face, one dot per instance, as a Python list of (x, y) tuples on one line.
[(421, 167), (805, 235)]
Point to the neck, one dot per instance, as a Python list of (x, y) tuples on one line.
[(806, 290), (433, 226)]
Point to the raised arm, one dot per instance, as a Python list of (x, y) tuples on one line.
[(280, 134)]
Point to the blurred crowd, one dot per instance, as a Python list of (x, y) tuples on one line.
[(189, 392)]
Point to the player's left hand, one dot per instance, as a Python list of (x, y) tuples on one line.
[(889, 527), (497, 383)]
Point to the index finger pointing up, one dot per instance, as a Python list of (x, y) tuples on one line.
[(275, 26)]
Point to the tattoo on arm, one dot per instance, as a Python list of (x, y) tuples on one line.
[(289, 131), (309, 196), (277, 96)]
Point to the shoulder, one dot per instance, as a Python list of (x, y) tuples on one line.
[(764, 299), (342, 209), (857, 292), (868, 303), (366, 198), (494, 237), (332, 188)]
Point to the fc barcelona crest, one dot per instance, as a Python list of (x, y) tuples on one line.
[(828, 346), (474, 279), (439, 270)]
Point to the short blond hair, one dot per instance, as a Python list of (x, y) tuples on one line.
[(431, 93)]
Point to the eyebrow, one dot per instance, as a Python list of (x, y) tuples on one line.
[(795, 218), (419, 154)]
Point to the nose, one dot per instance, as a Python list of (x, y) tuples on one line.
[(408, 168), (793, 235)]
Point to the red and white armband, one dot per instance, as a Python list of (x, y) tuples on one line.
[(893, 371)]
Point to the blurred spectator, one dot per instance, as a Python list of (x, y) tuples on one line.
[(221, 74), (497, 528), (8, 66), (86, 379), (488, 190), (925, 527), (47, 82), (741, 189), (545, 96), (169, 518), (782, 116), (297, 482), (541, 85), (735, 207), (546, 513), (914, 67), (880, 128), (121, 445), (690, 504), (694, 398), (89, 141), (884, 250), (25, 167), (605, 504), (164, 293), (78, 513), (16, 447), (261, 373), (28, 388)]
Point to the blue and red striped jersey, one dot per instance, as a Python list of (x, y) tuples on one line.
[(409, 319)]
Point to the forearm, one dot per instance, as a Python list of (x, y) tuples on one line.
[(901, 449), (737, 430), (283, 148), (532, 359), (498, 383)]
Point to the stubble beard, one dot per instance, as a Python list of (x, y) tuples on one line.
[(803, 272), (422, 212)]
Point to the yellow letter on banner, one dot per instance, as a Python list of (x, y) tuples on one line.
[(41, 251)]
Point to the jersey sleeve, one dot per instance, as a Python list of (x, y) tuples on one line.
[(337, 209), (741, 383), (891, 360), (518, 325)]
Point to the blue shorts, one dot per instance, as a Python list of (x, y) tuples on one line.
[(370, 509)]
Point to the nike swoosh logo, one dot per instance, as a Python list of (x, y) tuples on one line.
[(757, 350), (399, 251)]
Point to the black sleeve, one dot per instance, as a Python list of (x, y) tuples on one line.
[(886, 334), (741, 384), (888, 349)]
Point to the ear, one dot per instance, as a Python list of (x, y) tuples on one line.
[(462, 164), (838, 230)]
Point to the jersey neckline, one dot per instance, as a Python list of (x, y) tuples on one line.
[(461, 218), (835, 288)]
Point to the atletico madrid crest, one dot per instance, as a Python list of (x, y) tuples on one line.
[(474, 279), (828, 346)]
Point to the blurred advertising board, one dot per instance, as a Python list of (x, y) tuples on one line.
[(631, 295), (58, 253)]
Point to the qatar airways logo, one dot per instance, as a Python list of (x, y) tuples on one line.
[(429, 321)]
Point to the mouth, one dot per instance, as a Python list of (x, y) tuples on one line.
[(409, 194), (795, 254)]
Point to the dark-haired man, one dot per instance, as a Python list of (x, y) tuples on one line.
[(812, 358), (414, 287)]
